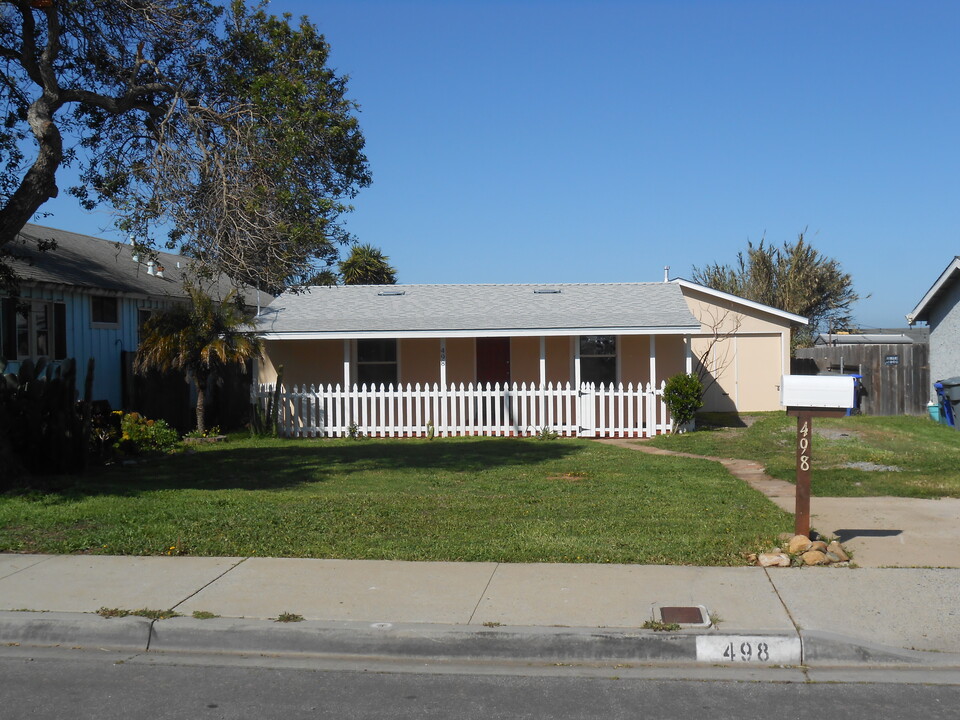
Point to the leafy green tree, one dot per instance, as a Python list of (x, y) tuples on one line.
[(367, 265), (200, 337), (223, 126), (795, 277)]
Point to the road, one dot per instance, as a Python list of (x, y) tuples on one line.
[(88, 684)]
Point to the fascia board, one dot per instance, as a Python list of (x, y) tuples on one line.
[(741, 301), (935, 289), (503, 332)]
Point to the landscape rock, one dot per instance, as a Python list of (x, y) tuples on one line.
[(819, 545), (814, 557), (773, 560), (837, 549), (798, 544)]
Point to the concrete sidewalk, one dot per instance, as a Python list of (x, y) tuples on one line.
[(812, 616)]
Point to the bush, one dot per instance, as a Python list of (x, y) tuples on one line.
[(139, 435), (683, 395)]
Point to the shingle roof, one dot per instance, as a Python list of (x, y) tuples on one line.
[(89, 262), (438, 309)]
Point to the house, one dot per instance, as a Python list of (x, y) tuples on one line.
[(88, 298), (940, 309), (582, 359)]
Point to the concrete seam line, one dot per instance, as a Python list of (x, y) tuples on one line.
[(149, 635), (206, 585), (31, 565), (796, 627), (482, 593)]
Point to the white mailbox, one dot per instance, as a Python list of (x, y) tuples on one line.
[(818, 391)]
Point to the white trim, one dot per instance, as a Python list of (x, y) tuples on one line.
[(945, 276), (740, 301), (413, 334)]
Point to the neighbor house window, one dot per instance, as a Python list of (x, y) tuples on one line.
[(598, 359), (34, 329), (377, 362), (103, 310)]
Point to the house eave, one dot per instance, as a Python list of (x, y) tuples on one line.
[(921, 310), (461, 333), (798, 319)]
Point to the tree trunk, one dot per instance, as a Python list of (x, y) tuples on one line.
[(39, 183), (201, 382)]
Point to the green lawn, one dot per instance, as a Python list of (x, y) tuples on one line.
[(479, 499), (926, 454)]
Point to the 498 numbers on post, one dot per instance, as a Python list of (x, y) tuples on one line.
[(771, 650)]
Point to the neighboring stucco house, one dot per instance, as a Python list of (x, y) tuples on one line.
[(940, 309), (87, 298), (534, 335)]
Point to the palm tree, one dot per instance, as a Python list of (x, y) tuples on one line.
[(367, 265), (199, 337)]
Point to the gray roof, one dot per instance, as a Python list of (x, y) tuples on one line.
[(438, 310), (93, 263)]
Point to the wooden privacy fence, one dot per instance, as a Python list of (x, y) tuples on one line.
[(896, 377), (432, 410)]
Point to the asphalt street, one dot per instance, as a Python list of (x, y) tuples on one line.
[(48, 684)]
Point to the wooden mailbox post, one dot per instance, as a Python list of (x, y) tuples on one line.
[(807, 397)]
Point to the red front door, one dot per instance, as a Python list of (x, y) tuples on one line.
[(493, 360)]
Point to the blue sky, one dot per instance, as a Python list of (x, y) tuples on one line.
[(573, 141)]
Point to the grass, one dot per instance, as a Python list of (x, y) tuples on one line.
[(926, 454), (463, 499)]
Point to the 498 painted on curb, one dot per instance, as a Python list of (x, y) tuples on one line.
[(750, 649)]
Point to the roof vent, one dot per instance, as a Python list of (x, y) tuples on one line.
[(391, 292), (547, 291)]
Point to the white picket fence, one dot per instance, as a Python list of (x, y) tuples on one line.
[(432, 410)]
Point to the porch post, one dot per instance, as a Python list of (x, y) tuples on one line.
[(653, 360), (576, 361), (543, 361), (443, 363), (688, 347), (346, 365)]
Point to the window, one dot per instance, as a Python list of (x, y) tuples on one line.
[(598, 359), (33, 329), (377, 362), (103, 310)]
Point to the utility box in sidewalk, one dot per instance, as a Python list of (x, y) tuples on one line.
[(818, 391)]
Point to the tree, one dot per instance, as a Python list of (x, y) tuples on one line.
[(222, 128), (367, 265), (795, 278), (200, 337)]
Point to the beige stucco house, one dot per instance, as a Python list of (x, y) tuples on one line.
[(383, 338)]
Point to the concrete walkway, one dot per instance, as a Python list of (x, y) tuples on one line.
[(533, 612), (881, 531)]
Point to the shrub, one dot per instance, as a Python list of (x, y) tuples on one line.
[(683, 395), (139, 435)]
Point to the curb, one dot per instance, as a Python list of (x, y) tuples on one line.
[(75, 630), (557, 645), (435, 642)]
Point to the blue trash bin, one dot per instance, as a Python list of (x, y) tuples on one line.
[(948, 394)]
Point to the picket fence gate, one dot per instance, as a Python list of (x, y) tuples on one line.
[(433, 410)]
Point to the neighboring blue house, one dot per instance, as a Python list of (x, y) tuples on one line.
[(940, 309), (87, 298)]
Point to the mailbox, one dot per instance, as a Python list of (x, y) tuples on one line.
[(818, 391)]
